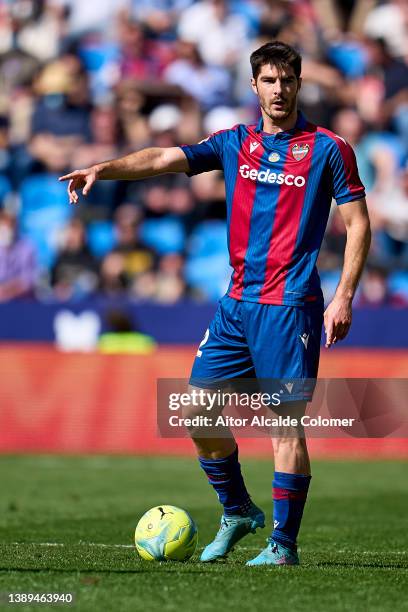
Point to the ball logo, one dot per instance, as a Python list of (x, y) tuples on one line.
[(266, 176), (274, 157)]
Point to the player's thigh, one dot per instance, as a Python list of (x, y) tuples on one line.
[(223, 354), (285, 346)]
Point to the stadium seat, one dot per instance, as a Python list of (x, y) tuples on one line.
[(207, 266), (349, 57), (44, 213), (101, 237), (208, 238), (398, 284), (165, 235), (210, 275), (99, 59)]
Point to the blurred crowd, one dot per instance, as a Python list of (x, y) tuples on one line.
[(81, 82)]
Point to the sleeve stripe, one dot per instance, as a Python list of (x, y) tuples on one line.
[(353, 181)]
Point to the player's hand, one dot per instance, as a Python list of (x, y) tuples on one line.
[(80, 179), (337, 320)]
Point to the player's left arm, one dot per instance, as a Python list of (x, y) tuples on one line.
[(337, 317)]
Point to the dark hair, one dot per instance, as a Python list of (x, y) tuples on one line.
[(277, 54)]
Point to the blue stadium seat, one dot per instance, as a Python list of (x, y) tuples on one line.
[(44, 213), (165, 235), (209, 274), (207, 266), (101, 237), (208, 238), (98, 59), (398, 284), (349, 57)]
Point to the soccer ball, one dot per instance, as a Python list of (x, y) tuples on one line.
[(166, 533)]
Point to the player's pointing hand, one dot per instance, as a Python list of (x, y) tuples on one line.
[(337, 320), (79, 179)]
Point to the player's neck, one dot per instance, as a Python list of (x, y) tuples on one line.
[(273, 126)]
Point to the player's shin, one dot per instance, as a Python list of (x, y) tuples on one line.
[(291, 479), (225, 476), (289, 498), (218, 456)]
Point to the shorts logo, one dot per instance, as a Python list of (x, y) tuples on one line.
[(266, 176), (274, 157), (253, 146), (305, 339), (203, 341), (300, 151)]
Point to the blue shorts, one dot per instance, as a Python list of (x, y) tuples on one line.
[(260, 341)]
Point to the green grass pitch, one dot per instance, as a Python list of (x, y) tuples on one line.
[(66, 525)]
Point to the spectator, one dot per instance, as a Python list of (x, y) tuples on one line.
[(171, 286), (31, 26), (62, 108), (106, 143), (374, 289), (164, 122), (80, 82), (132, 119), (223, 36), (159, 17), (130, 256), (123, 337), (142, 58), (389, 21), (209, 85), (18, 268), (382, 96), (85, 17), (388, 204), (75, 271)]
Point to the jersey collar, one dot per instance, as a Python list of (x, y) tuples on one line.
[(300, 125)]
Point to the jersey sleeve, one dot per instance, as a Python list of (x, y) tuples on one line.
[(346, 183), (206, 155)]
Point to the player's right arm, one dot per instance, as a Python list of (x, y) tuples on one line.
[(142, 164)]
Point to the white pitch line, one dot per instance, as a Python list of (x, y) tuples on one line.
[(95, 544), (246, 548)]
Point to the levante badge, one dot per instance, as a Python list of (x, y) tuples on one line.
[(300, 151)]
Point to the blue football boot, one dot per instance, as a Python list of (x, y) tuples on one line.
[(275, 554), (232, 529)]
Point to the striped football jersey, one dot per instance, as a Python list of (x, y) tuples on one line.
[(279, 189)]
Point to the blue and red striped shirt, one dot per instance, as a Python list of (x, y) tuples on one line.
[(279, 189)]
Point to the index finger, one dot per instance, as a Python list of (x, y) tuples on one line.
[(66, 177), (329, 333)]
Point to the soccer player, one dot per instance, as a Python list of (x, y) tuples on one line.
[(280, 177)]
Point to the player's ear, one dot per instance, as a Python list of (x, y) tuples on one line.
[(299, 83), (253, 85)]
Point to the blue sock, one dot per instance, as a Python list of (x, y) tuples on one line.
[(289, 498), (226, 478)]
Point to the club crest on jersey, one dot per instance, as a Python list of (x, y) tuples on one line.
[(274, 157), (300, 151)]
